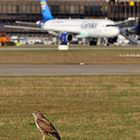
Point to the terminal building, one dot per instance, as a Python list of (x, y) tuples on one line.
[(29, 10)]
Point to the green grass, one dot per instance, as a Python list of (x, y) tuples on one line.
[(101, 56), (80, 107)]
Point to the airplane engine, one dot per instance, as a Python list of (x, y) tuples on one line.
[(65, 38)]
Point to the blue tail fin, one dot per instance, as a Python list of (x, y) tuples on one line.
[(45, 10)]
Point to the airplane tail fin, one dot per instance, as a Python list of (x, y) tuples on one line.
[(45, 10)]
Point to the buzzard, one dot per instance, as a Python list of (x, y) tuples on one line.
[(45, 126)]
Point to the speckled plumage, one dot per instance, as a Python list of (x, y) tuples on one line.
[(45, 126)]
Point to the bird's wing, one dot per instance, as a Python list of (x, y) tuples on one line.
[(45, 125)]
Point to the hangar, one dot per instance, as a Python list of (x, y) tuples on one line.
[(29, 10)]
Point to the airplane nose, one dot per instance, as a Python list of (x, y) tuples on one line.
[(117, 31), (113, 31)]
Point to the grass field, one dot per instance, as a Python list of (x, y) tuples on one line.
[(101, 56), (81, 108)]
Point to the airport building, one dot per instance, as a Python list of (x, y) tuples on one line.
[(29, 10)]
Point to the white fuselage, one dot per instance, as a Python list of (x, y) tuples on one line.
[(96, 28)]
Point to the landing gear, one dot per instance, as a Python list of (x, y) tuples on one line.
[(99, 41), (93, 42), (112, 40)]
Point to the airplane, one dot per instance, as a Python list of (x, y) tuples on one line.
[(68, 29)]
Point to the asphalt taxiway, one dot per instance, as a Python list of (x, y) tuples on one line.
[(60, 70), (71, 48)]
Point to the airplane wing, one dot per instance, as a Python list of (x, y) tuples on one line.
[(25, 28), (37, 28), (26, 23), (53, 33)]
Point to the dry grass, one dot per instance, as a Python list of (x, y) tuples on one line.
[(83, 108), (68, 57)]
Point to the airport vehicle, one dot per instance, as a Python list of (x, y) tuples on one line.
[(4, 40), (68, 29)]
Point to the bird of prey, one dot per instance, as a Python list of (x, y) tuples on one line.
[(45, 126)]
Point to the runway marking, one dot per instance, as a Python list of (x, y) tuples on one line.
[(130, 55)]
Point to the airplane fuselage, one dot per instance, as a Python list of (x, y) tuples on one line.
[(95, 28)]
